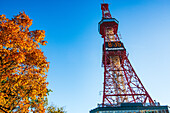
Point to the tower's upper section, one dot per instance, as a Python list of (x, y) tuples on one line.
[(107, 21), (105, 11)]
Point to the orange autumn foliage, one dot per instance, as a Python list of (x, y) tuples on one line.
[(23, 66)]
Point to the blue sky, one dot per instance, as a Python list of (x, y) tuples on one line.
[(74, 47)]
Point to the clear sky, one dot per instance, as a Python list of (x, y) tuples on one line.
[(74, 47)]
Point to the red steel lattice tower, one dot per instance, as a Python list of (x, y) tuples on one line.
[(121, 83)]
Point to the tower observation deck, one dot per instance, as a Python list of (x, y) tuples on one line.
[(121, 84)]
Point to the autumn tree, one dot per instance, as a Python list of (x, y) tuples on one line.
[(23, 66), (54, 109)]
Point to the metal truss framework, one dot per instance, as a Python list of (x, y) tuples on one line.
[(121, 83)]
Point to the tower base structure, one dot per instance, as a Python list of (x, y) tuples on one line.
[(130, 108)]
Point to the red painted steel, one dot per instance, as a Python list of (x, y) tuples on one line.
[(113, 92), (105, 11)]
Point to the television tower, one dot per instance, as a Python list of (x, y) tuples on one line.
[(121, 83)]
